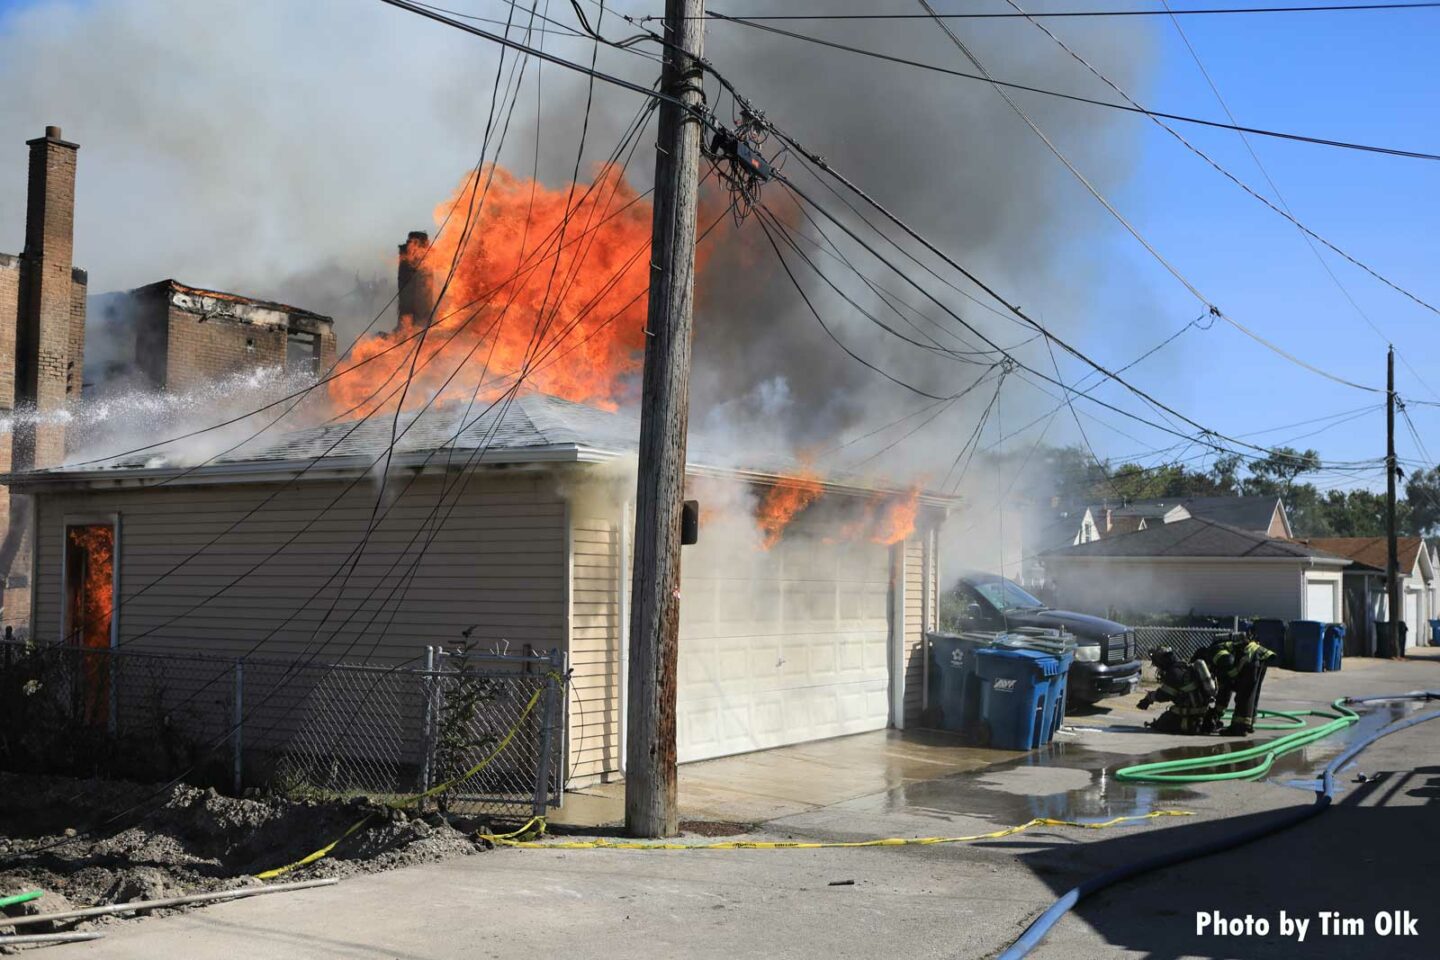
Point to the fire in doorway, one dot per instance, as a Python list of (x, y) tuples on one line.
[(90, 609)]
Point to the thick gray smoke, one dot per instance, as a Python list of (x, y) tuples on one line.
[(282, 149)]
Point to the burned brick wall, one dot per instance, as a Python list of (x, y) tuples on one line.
[(172, 337)]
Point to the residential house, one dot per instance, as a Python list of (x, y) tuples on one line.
[(1261, 514)]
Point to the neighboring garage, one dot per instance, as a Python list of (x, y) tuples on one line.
[(1198, 566), (1366, 591), (512, 529), (1322, 598)]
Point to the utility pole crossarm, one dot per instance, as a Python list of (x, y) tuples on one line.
[(650, 808)]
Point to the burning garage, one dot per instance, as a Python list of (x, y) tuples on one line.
[(494, 508), (806, 600)]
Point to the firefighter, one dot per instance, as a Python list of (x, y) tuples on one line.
[(1191, 690), (1238, 664)]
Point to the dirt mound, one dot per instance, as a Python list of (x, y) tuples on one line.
[(187, 840)]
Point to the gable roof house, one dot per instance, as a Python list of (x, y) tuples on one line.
[(1201, 566), (1366, 597), (513, 527), (1265, 515)]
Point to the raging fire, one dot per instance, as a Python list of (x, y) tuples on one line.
[(548, 283), (895, 519), (782, 502), (884, 518)]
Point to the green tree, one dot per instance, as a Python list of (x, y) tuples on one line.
[(1422, 493)]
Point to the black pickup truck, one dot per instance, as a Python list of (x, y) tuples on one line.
[(1105, 661)]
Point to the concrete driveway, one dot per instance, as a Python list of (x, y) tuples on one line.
[(1376, 847)]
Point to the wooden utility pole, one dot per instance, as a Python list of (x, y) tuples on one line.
[(655, 612), (1392, 553)]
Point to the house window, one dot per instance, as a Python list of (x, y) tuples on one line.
[(90, 613), (302, 352)]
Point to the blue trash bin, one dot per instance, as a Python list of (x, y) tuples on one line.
[(1435, 633), (1055, 699), (954, 688), (1271, 634), (1014, 689), (1305, 646), (1312, 635), (1334, 645)]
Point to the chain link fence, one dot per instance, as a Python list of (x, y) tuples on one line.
[(1185, 641), (482, 731)]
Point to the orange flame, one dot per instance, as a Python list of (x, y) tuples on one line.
[(550, 283), (782, 502), (896, 519), (94, 599)]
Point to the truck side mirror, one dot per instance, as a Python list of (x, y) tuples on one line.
[(973, 611)]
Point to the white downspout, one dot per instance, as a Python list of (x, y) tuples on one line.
[(622, 606)]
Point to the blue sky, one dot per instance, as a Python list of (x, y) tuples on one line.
[(1365, 77)]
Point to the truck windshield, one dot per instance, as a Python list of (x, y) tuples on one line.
[(1004, 595)]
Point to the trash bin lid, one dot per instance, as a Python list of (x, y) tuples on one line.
[(1044, 663)]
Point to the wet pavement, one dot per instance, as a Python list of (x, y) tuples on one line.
[(933, 775), (1378, 846), (754, 788)]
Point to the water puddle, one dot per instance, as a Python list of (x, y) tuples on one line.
[(1070, 780)]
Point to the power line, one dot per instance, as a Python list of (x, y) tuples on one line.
[(1156, 119), (1108, 104), (1059, 14), (820, 163), (1280, 197), (1120, 218)]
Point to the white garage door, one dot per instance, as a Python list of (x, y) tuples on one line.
[(1320, 601), (782, 646), (1412, 617)]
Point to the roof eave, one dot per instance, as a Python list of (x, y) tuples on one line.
[(1326, 561), (432, 461), (260, 471)]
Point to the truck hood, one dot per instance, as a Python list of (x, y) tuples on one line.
[(1082, 625)]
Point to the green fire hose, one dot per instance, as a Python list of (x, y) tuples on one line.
[(1253, 761), (21, 898)]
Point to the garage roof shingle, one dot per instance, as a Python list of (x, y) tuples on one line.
[(1195, 537)]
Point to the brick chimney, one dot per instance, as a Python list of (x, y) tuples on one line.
[(416, 297), (50, 322)]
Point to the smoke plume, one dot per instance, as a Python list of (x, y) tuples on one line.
[(282, 150)]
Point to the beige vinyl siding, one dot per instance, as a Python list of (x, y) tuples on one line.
[(914, 629), (287, 583), (1214, 587), (595, 646), (287, 580)]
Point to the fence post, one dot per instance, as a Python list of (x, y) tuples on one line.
[(430, 687), (237, 711), (547, 734), (112, 693)]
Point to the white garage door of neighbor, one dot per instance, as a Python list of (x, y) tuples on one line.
[(1412, 617), (781, 647), (1320, 600)]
